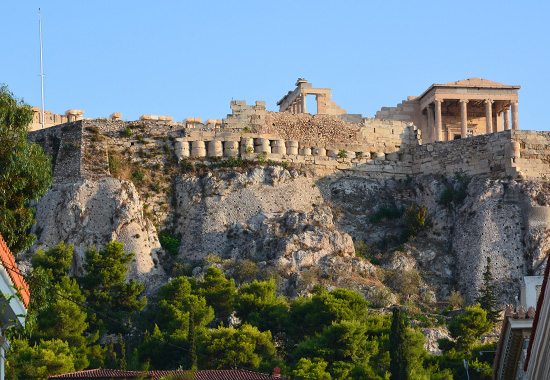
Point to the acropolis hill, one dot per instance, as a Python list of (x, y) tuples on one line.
[(461, 126), (293, 192)]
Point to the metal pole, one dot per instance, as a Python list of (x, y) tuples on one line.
[(41, 65)]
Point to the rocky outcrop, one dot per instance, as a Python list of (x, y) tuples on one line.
[(304, 228), (93, 213)]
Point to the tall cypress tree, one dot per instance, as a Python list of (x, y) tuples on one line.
[(487, 298), (400, 365)]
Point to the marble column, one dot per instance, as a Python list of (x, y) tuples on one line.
[(463, 118), (506, 115), (430, 115), (303, 103), (515, 115), (438, 123), (489, 115)]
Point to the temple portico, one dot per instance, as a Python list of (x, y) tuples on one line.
[(468, 108), (457, 110)]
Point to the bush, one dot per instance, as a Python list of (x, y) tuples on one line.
[(386, 213), (342, 154), (380, 297), (455, 300), (169, 243), (114, 163), (247, 271), (127, 132), (416, 219), (137, 175), (406, 283)]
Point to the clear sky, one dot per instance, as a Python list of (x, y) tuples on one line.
[(190, 58)]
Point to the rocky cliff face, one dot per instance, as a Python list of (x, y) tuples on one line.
[(302, 229)]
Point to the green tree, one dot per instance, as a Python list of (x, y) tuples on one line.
[(311, 369), (56, 261), (311, 315), (258, 304), (219, 292), (37, 362), (400, 366), (105, 286), (343, 345), (468, 327), (487, 297), (25, 172), (227, 347)]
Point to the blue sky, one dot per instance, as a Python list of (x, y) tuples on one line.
[(189, 59)]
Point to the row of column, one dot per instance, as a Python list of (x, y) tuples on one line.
[(250, 145), (436, 111), (298, 105)]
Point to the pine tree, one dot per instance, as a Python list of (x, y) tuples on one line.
[(400, 366), (487, 298)]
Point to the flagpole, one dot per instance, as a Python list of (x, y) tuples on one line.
[(41, 65)]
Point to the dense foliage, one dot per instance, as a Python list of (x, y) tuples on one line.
[(99, 319), (25, 172)]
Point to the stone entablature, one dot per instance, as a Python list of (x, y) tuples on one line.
[(295, 101), (460, 109)]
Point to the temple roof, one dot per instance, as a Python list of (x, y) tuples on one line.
[(476, 82), (470, 83)]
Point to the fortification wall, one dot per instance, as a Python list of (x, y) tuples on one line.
[(325, 144), (488, 155), (64, 144), (531, 153)]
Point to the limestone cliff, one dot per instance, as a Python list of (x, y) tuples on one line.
[(301, 228)]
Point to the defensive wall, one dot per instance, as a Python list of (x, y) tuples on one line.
[(323, 143)]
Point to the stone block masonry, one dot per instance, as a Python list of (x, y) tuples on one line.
[(64, 145), (323, 143)]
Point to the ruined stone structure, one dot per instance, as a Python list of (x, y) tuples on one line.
[(405, 142), (295, 101), (51, 119), (455, 110)]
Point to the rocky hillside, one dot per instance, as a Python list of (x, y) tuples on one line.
[(262, 221)]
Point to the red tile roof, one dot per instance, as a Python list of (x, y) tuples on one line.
[(220, 374), (8, 261)]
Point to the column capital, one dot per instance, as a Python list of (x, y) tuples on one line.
[(491, 101), (463, 100), (439, 101), (514, 102)]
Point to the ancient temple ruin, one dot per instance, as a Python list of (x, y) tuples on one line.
[(295, 101), (460, 109)]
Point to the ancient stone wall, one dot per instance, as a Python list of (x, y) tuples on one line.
[(326, 144), (531, 153), (487, 155), (64, 144)]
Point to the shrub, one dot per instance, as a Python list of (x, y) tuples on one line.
[(212, 258), (137, 175), (114, 163), (342, 154), (406, 283), (455, 300), (170, 243), (380, 297), (416, 219), (358, 154), (247, 271), (386, 213), (127, 132)]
